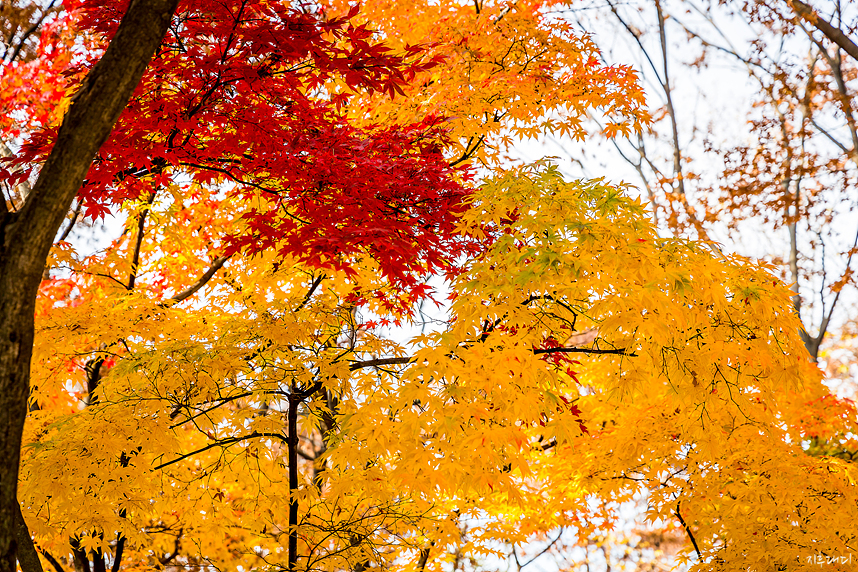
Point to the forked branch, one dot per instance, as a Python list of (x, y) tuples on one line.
[(808, 14)]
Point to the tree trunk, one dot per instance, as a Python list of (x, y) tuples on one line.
[(26, 236)]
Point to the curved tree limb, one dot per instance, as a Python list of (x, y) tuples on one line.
[(203, 280), (809, 15), (688, 531)]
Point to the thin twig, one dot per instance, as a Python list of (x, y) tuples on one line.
[(544, 550), (73, 220), (823, 327), (219, 443)]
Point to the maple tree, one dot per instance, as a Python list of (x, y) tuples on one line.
[(225, 385), (767, 171)]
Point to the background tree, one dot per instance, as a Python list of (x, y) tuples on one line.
[(792, 172), (782, 187)]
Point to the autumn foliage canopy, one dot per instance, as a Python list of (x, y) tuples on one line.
[(335, 327)]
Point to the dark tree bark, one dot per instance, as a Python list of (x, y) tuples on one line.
[(26, 236), (27, 555)]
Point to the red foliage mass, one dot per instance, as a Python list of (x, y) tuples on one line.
[(240, 93)]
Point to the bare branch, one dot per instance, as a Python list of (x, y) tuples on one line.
[(377, 362), (203, 280), (637, 38), (138, 241), (313, 286), (220, 443), (823, 327), (72, 222), (615, 351), (688, 531), (544, 550), (808, 14)]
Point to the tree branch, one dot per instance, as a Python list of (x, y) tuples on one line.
[(615, 351), (406, 360), (377, 362), (81, 560), (72, 222), (424, 552), (808, 14), (544, 550), (52, 561), (203, 280), (469, 150), (823, 327), (301, 395), (637, 38), (29, 31), (178, 409), (219, 443), (292, 445), (176, 545), (688, 531), (549, 445), (138, 241), (120, 538), (117, 557), (313, 286)]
